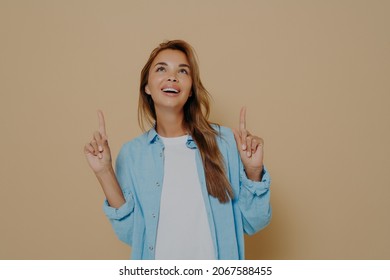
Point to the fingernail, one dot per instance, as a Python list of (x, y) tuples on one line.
[(243, 146), (248, 153), (100, 149), (100, 156)]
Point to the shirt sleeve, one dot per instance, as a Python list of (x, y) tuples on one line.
[(121, 212), (253, 198), (254, 201), (122, 218)]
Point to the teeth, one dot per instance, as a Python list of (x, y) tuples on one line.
[(170, 89)]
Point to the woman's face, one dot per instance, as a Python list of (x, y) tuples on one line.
[(170, 81)]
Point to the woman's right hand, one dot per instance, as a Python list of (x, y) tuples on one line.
[(97, 151)]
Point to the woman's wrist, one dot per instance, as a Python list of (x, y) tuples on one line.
[(254, 174), (104, 172)]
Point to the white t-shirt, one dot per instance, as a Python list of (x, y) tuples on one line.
[(183, 229)]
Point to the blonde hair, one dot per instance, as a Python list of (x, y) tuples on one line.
[(196, 113)]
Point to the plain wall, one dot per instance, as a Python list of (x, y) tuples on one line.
[(314, 76)]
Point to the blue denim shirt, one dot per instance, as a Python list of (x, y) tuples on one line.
[(140, 172)]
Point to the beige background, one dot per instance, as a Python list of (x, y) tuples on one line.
[(313, 74)]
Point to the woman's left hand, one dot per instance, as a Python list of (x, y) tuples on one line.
[(250, 148)]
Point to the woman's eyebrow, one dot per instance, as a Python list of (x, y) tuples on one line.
[(165, 64), (184, 65), (161, 63)]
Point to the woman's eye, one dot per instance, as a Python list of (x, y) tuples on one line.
[(160, 69), (183, 71)]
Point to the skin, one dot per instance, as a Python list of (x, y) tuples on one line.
[(168, 70), (250, 147)]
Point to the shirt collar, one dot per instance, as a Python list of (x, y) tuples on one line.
[(153, 137)]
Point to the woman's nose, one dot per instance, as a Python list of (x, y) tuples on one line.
[(172, 78)]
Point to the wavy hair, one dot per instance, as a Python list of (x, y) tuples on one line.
[(196, 113)]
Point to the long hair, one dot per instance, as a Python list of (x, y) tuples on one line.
[(196, 113)]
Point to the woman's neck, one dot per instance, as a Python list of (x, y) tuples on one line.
[(170, 125)]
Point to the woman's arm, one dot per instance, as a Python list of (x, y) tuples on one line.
[(111, 188), (98, 155), (119, 203), (254, 179)]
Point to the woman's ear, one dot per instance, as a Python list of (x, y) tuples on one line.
[(147, 90)]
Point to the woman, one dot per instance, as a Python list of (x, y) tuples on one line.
[(186, 188)]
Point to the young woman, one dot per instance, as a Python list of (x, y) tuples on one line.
[(186, 188)]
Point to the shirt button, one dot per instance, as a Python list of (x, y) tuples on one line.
[(151, 248), (153, 215), (157, 184), (160, 154)]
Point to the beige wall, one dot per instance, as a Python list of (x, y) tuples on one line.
[(313, 74)]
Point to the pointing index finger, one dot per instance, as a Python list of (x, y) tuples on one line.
[(242, 119), (102, 125)]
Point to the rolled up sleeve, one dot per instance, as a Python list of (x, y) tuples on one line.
[(254, 202), (119, 213)]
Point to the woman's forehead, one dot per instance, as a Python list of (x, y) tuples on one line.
[(170, 56)]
